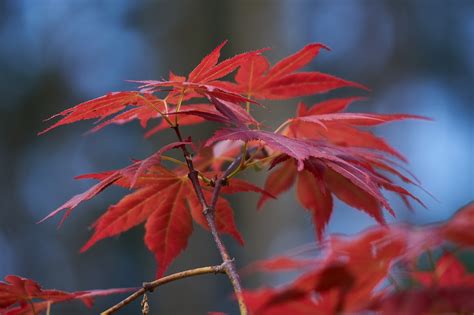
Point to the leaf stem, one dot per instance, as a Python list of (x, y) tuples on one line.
[(150, 286), (151, 105), (169, 158), (283, 125), (178, 106)]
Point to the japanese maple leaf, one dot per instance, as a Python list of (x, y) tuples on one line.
[(327, 120), (22, 296), (338, 281), (144, 107), (164, 200), (321, 170), (257, 79), (203, 78), (449, 272)]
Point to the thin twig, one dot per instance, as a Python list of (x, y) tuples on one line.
[(209, 213), (150, 286)]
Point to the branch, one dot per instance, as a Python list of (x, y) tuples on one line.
[(209, 212), (150, 286)]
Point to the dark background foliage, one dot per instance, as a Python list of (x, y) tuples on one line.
[(417, 57)]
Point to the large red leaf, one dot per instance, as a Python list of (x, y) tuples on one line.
[(255, 78), (107, 105), (325, 121), (297, 149), (164, 200)]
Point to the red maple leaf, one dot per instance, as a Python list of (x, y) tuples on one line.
[(338, 282), (257, 79), (326, 120), (110, 104), (164, 200), (351, 174), (22, 296), (448, 272)]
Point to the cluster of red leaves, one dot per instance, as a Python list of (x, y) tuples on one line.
[(353, 274), (326, 149), (21, 296)]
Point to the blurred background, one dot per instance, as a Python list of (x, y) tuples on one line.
[(416, 56)]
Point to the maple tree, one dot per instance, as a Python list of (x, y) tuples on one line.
[(326, 151)]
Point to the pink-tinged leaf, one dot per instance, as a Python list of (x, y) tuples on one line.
[(295, 148), (305, 83), (279, 181), (103, 107), (353, 195), (361, 181), (206, 63), (313, 198), (154, 159), (357, 119), (168, 229), (234, 112), (344, 135)]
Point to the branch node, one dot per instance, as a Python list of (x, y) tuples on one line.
[(208, 211), (193, 175), (148, 286)]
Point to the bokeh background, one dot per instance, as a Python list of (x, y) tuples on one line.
[(417, 56)]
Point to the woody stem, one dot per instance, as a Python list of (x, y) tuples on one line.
[(150, 286), (209, 213)]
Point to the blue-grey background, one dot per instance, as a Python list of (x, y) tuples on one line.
[(416, 56)]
